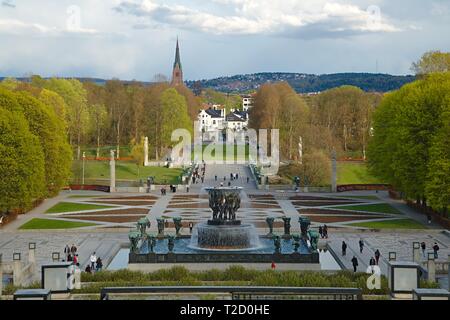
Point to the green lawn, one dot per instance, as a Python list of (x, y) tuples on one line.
[(390, 224), (354, 173), (70, 206), (378, 208), (125, 171), (37, 223)]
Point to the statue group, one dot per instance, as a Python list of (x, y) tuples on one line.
[(224, 203)]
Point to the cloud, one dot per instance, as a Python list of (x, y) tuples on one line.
[(8, 4), (18, 27), (248, 17)]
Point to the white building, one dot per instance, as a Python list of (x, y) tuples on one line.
[(247, 102), (213, 121)]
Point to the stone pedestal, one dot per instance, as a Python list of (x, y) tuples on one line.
[(431, 268), (17, 272), (416, 252), (146, 152), (112, 174)]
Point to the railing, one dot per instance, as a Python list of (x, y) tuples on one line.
[(245, 293)]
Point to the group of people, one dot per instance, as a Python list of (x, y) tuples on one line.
[(199, 176), (323, 231), (436, 248), (374, 260), (172, 188), (95, 264), (71, 254)]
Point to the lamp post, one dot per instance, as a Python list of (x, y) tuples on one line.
[(84, 158)]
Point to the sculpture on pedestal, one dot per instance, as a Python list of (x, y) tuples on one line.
[(160, 222), (270, 221), (296, 239), (304, 225), (170, 243), (287, 225), (277, 244), (134, 237), (142, 225), (178, 224)]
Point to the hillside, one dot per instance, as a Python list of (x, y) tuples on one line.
[(307, 83)]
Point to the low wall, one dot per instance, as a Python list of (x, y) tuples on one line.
[(363, 187), (88, 187), (211, 257)]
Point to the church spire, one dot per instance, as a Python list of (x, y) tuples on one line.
[(177, 74)]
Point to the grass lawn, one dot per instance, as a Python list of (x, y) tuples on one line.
[(377, 207), (354, 173), (125, 171), (37, 223), (391, 224), (70, 206)]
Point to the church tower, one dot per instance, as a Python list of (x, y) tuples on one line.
[(177, 74)]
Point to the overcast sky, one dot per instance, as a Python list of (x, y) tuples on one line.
[(135, 39)]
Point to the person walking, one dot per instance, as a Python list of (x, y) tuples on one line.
[(361, 245), (344, 248), (99, 265), (75, 259), (93, 260), (203, 179), (187, 189), (248, 179), (215, 177), (224, 178), (231, 176), (73, 249), (377, 256), (372, 263), (67, 251), (354, 263), (325, 231), (424, 247), (88, 269), (273, 266), (321, 231), (191, 226), (435, 249), (429, 218)]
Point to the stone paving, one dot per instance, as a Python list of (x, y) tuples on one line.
[(108, 235)]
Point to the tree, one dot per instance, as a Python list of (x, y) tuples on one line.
[(137, 153), (174, 115), (437, 187), (45, 124), (405, 128), (432, 62), (21, 159)]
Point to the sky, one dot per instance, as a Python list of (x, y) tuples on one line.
[(135, 39)]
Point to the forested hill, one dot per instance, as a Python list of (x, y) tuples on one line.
[(307, 83)]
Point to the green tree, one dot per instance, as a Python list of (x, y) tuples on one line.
[(45, 124), (21, 159), (437, 187), (137, 153), (405, 126), (432, 62), (174, 115)]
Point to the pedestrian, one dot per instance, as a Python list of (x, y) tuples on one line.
[(215, 177), (372, 263), (69, 258), (67, 250), (273, 266), (325, 231), (435, 249), (321, 231), (88, 269), (203, 179), (354, 263), (237, 176), (191, 226), (193, 179), (229, 183), (377, 256), (361, 245), (162, 191), (93, 260), (187, 189), (224, 178), (99, 264), (231, 176), (221, 184), (429, 218), (248, 179), (424, 247), (73, 249), (344, 248), (75, 259)]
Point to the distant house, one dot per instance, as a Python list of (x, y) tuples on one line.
[(247, 102)]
